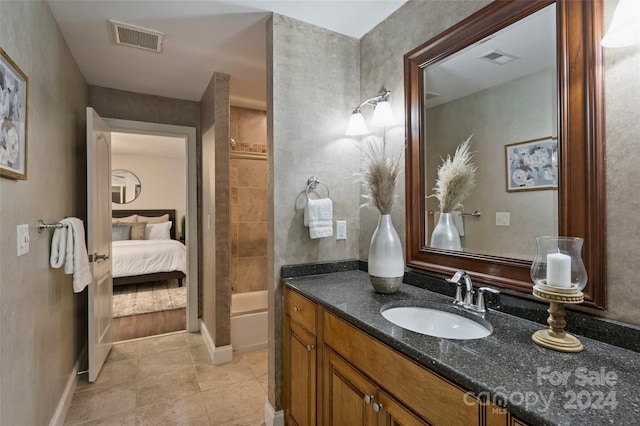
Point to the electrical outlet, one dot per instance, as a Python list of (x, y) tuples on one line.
[(22, 239), (503, 219), (341, 229)]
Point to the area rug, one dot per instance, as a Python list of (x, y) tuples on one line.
[(134, 299)]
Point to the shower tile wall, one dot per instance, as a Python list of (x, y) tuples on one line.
[(248, 182)]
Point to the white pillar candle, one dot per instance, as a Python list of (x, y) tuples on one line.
[(558, 270)]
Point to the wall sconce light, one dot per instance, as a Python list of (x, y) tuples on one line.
[(382, 115), (625, 25)]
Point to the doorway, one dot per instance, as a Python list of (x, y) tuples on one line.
[(166, 182)]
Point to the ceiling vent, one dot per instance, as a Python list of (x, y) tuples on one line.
[(498, 57), (133, 36)]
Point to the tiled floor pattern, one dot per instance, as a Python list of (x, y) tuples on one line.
[(170, 380)]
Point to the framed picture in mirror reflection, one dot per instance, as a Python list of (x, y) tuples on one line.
[(532, 165)]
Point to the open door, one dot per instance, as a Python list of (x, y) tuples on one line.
[(99, 241)]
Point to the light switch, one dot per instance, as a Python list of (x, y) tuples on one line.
[(503, 219), (341, 229), (22, 239)]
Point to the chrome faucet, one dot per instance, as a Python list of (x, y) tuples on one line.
[(467, 301), (456, 280), (468, 298)]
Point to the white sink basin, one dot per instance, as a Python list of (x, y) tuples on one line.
[(437, 323)]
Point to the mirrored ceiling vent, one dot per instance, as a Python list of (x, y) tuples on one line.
[(134, 36), (498, 57)]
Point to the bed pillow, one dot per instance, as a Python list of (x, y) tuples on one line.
[(132, 218), (154, 219), (137, 229), (120, 232), (158, 231)]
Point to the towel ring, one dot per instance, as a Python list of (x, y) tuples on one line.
[(313, 182)]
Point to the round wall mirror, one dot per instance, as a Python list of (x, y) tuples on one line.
[(125, 186)]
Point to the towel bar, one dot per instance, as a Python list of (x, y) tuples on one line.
[(42, 225), (475, 214)]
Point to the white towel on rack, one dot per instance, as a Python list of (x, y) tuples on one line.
[(58, 247), (77, 259), (318, 216)]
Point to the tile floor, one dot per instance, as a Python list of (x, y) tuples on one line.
[(170, 380)]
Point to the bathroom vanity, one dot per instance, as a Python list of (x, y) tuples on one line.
[(344, 363)]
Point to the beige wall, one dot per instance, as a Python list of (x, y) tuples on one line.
[(530, 100), (216, 244), (312, 79), (248, 180), (418, 21), (163, 182), (42, 322), (382, 64), (113, 103), (623, 174)]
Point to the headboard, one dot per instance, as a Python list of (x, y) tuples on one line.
[(150, 213)]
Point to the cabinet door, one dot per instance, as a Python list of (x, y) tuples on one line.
[(348, 395), (300, 384), (391, 413)]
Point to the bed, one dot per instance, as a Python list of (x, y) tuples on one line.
[(141, 261)]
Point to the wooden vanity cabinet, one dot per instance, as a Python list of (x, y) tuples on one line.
[(300, 359), (351, 399), (335, 374)]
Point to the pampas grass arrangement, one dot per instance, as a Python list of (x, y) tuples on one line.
[(456, 178), (380, 176)]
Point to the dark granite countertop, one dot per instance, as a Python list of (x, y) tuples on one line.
[(600, 385)]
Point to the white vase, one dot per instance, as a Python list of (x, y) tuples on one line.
[(445, 235), (386, 261)]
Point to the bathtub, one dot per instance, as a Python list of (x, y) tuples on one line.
[(249, 320)]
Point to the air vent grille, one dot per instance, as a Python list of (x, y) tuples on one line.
[(133, 36), (498, 57)]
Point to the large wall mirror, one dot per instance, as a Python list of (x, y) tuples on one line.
[(525, 78)]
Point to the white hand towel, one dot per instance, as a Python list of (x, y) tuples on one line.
[(77, 259), (58, 247), (457, 218), (70, 252), (319, 218)]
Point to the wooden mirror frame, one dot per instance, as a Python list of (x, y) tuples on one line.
[(581, 142)]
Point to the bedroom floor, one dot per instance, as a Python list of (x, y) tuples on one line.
[(148, 309), (170, 380), (150, 324)]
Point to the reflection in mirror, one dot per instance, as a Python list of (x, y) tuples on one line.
[(579, 202), (503, 91), (125, 186)]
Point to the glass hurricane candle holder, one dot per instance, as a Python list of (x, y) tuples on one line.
[(558, 275), (558, 263)]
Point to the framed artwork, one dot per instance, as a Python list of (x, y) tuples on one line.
[(13, 119), (532, 165)]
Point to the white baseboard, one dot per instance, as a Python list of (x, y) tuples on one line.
[(219, 355), (271, 416), (67, 395)]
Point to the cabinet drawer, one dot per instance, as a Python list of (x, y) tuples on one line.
[(434, 398), (300, 310)]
